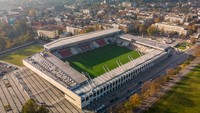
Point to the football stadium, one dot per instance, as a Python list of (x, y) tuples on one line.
[(90, 66)]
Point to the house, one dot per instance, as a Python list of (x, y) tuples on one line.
[(49, 32), (73, 30)]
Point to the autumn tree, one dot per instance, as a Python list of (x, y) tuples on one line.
[(8, 43), (157, 20), (171, 72), (152, 88), (151, 30), (159, 81), (135, 100), (144, 89), (142, 28)]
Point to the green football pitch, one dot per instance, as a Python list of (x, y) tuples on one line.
[(93, 61)]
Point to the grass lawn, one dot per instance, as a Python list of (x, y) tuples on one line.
[(183, 98), (182, 46), (94, 60), (16, 56)]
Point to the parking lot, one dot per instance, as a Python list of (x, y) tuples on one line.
[(6, 68)]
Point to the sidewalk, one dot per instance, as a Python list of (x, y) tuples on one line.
[(147, 103)]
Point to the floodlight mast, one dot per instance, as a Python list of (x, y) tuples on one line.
[(106, 70), (89, 78)]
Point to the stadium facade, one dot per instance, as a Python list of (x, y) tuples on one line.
[(78, 87)]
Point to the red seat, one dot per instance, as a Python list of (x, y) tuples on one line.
[(65, 53), (101, 42)]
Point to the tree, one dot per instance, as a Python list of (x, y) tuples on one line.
[(171, 72), (151, 30), (159, 81), (144, 89), (60, 31), (8, 43), (142, 28), (135, 100), (32, 13), (162, 31), (32, 107), (42, 109), (152, 89), (2, 43), (128, 106), (157, 20)]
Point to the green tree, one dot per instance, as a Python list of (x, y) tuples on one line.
[(128, 106), (31, 106), (42, 109)]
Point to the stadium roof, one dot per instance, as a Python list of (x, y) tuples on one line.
[(52, 67), (79, 38), (146, 42)]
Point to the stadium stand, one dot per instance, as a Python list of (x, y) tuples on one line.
[(78, 50), (57, 54), (101, 42), (108, 40), (73, 50), (85, 47), (125, 43), (119, 41), (65, 53), (95, 44)]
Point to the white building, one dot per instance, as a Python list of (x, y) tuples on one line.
[(171, 28)]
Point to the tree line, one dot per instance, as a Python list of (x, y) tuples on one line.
[(14, 35)]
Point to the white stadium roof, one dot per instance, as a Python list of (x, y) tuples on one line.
[(79, 38), (146, 42)]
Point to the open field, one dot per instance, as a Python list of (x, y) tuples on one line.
[(94, 60), (16, 56), (183, 98)]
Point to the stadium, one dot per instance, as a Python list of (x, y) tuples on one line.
[(89, 66)]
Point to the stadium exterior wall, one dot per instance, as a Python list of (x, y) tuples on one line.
[(69, 95)]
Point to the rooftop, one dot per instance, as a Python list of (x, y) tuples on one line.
[(23, 84), (79, 38), (147, 42), (55, 68)]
